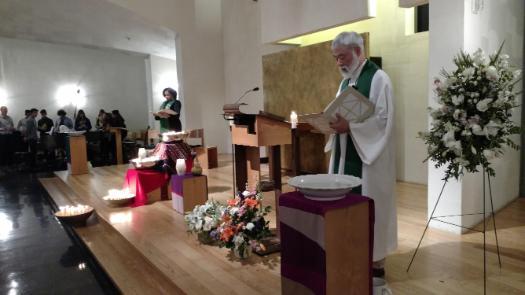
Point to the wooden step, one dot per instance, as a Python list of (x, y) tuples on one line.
[(130, 271)]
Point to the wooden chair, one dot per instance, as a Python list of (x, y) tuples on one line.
[(196, 138), (206, 155), (152, 137)]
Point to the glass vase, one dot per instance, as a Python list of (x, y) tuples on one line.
[(180, 166), (205, 238), (242, 252)]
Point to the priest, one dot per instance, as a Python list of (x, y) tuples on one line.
[(367, 149)]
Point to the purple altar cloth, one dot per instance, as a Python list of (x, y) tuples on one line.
[(303, 257)]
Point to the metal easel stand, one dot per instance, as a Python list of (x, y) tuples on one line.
[(437, 218)]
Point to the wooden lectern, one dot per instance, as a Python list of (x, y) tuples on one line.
[(118, 143), (78, 155), (249, 133)]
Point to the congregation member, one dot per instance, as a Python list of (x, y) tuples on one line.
[(103, 120), (63, 120), (6, 131), (172, 121), (118, 121), (21, 126), (366, 149), (44, 123), (47, 142), (82, 123), (31, 136)]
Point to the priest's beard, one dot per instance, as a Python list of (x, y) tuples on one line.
[(348, 71)]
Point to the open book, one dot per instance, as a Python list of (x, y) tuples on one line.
[(350, 104), (165, 113)]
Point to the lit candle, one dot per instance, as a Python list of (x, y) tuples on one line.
[(293, 119)]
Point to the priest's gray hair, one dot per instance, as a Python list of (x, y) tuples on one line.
[(348, 39)]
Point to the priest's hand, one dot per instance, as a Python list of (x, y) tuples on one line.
[(340, 124)]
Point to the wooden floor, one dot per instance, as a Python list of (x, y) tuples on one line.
[(147, 251)]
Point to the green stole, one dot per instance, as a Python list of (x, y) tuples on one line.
[(353, 163), (164, 124)]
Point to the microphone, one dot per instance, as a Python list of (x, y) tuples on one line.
[(246, 92)]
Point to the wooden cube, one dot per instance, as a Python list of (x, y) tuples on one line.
[(207, 157), (326, 247), (188, 191)]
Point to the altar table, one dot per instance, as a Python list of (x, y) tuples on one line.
[(142, 182), (326, 247)]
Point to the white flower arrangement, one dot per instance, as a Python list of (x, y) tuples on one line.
[(204, 218), (473, 122)]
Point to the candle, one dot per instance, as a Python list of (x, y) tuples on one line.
[(73, 210), (293, 119), (142, 153)]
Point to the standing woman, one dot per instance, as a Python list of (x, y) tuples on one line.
[(82, 123), (103, 120), (172, 121)]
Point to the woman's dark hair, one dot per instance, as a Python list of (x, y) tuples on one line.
[(170, 91), (61, 113), (101, 111), (81, 112)]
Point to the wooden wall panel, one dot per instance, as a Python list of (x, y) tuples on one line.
[(304, 79)]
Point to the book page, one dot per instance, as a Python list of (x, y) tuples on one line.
[(168, 111), (319, 121), (351, 105)]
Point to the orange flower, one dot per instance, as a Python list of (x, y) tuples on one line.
[(240, 226), (232, 202), (251, 203), (227, 233)]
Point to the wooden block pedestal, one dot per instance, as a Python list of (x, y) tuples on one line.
[(326, 247), (187, 191), (207, 157)]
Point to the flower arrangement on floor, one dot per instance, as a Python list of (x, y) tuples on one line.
[(243, 224), (473, 122), (203, 219)]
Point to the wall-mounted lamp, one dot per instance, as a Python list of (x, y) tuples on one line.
[(71, 95)]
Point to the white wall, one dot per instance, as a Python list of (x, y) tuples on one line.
[(31, 72), (445, 41), (94, 23), (163, 73), (200, 58), (284, 19), (455, 26), (496, 22)]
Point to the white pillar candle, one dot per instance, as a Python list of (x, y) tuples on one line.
[(142, 153), (293, 119)]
